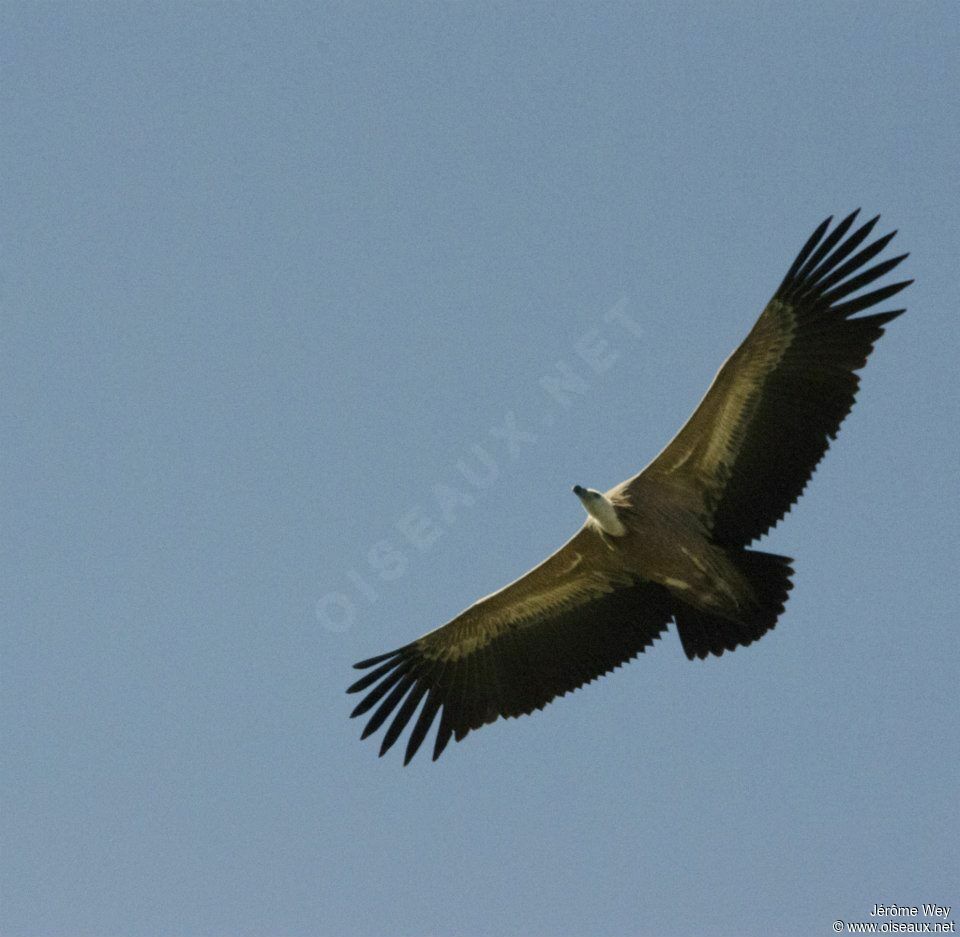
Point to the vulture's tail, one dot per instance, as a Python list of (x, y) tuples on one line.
[(703, 633)]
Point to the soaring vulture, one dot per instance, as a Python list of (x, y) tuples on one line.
[(669, 543)]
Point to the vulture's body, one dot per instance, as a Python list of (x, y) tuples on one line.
[(671, 543)]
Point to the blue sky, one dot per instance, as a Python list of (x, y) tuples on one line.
[(273, 279)]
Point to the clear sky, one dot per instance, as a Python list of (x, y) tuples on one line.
[(282, 283)]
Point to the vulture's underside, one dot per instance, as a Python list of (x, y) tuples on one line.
[(732, 472)]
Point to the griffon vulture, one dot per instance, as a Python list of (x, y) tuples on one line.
[(669, 543)]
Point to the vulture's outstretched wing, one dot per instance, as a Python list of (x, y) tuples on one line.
[(750, 447), (571, 619)]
